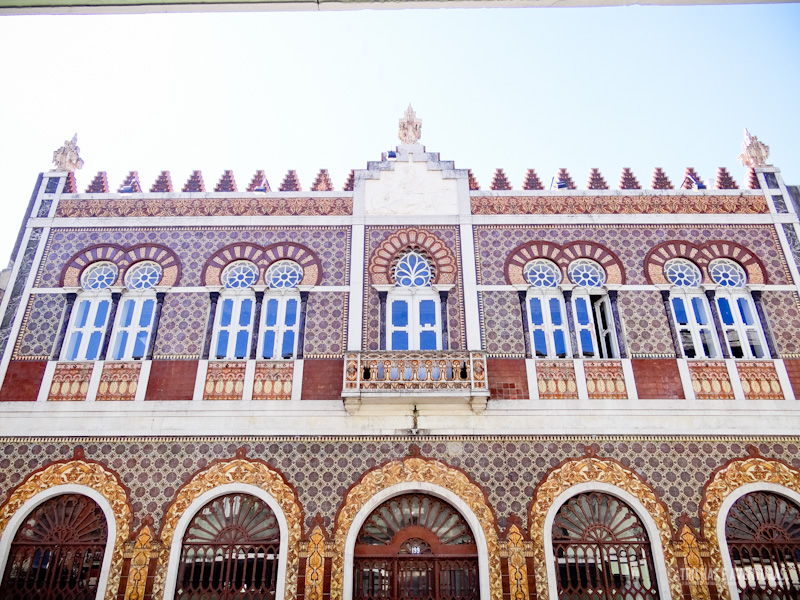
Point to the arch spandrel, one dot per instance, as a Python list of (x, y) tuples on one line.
[(422, 471), (382, 259)]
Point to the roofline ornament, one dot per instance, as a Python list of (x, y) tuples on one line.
[(754, 153), (410, 127), (67, 158)]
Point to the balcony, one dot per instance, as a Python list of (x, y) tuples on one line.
[(415, 378)]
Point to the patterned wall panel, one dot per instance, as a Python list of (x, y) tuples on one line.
[(273, 381), (710, 380), (119, 381), (70, 382), (605, 380), (326, 325), (783, 312), (645, 323), (40, 326), (195, 245), (501, 324), (556, 380), (224, 381), (182, 325), (759, 380), (493, 244), (323, 468)]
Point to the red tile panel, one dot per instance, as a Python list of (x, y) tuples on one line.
[(22, 381), (171, 380), (508, 378), (657, 378), (322, 379)]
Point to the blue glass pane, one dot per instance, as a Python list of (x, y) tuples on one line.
[(699, 311), (140, 345), (744, 308), (94, 345), (287, 350), (83, 312), (582, 311), (245, 312), (427, 340), (102, 312), (147, 313), (400, 314), (427, 312), (725, 311), (227, 311), (222, 344), (241, 344), (586, 343), (74, 344), (291, 312), (536, 311), (539, 343), (268, 351), (555, 311), (272, 312), (561, 343), (119, 346), (127, 313), (680, 311), (399, 340)]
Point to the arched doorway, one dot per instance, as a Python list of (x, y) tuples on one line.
[(602, 551), (231, 549), (762, 530), (57, 552), (415, 547)]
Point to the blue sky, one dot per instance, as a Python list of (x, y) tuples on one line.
[(638, 87)]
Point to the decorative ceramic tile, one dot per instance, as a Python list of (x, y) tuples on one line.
[(605, 380), (501, 324), (70, 382), (182, 325), (646, 324), (224, 381), (118, 381), (40, 326), (759, 380), (783, 315), (273, 381), (556, 380), (326, 325), (710, 380)]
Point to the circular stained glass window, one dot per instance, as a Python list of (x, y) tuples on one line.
[(683, 273), (413, 270), (727, 273), (284, 274), (239, 275), (143, 276), (99, 276), (542, 273), (586, 273)]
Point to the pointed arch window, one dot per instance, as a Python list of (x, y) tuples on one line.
[(135, 317), (413, 313), (233, 324), (89, 319), (737, 312), (690, 310), (280, 321), (547, 321), (594, 320)]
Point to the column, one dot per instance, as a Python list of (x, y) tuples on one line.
[(62, 332), (671, 320), (526, 332), (723, 339), (112, 317), (212, 313), (154, 326)]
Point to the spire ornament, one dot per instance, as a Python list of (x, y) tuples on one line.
[(754, 153), (67, 157), (410, 127)]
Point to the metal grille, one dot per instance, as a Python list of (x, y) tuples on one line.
[(602, 551), (230, 551), (58, 553), (763, 535)]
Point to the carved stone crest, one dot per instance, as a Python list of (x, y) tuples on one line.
[(754, 153), (410, 127), (67, 157)]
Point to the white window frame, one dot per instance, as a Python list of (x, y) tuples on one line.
[(413, 296), (94, 300), (739, 327), (604, 340), (688, 295), (282, 297), (138, 298), (545, 295), (237, 298)]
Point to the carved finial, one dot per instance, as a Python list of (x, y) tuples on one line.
[(67, 157), (754, 153), (410, 127)]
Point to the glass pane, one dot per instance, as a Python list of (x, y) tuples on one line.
[(561, 343), (699, 311), (291, 312), (102, 313), (287, 350), (755, 344), (245, 312), (587, 346), (539, 343), (725, 311), (242, 337), (581, 311), (127, 313), (147, 313), (399, 340), (427, 313), (400, 315), (227, 312), (427, 340), (708, 343), (744, 309), (555, 311), (602, 310), (680, 311), (222, 344), (268, 351), (536, 311), (140, 345), (83, 312), (272, 312), (119, 345), (74, 345), (736, 345), (688, 343), (94, 345)]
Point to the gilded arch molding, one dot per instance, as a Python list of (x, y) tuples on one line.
[(723, 483), (91, 475), (591, 469), (238, 470), (418, 470)]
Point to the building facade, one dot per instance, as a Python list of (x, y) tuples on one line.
[(413, 388)]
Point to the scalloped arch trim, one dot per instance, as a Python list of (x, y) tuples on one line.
[(123, 258), (382, 259), (702, 255), (263, 258), (562, 256)]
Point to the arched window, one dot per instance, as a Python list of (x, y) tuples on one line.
[(234, 320), (57, 553), (281, 311), (690, 311), (90, 316), (231, 549), (736, 310), (762, 530), (547, 321), (134, 323), (413, 319), (594, 321), (415, 546), (602, 550)]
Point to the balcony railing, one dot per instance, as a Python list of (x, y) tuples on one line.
[(415, 377)]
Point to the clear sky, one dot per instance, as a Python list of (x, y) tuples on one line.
[(638, 87)]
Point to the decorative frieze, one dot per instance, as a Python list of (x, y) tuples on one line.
[(118, 381), (605, 380), (710, 380), (70, 382), (224, 381), (556, 380), (273, 381)]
